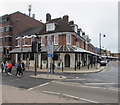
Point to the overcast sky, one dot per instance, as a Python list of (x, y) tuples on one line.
[(93, 16)]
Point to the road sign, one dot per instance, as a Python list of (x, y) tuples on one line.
[(50, 48), (96, 49), (50, 55)]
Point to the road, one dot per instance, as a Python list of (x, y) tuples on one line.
[(82, 88), (106, 78)]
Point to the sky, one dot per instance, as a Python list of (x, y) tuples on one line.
[(92, 16)]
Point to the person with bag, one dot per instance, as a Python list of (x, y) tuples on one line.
[(10, 66)]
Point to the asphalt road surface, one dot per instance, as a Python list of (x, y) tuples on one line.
[(106, 78), (99, 87)]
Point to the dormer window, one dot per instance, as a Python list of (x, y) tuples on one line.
[(74, 27), (50, 27)]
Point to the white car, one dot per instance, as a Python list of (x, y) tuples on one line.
[(103, 63)]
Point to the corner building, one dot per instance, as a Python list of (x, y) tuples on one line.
[(70, 44)]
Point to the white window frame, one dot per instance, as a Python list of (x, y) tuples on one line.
[(18, 42), (25, 40), (50, 27), (43, 41), (56, 39), (32, 38), (68, 39)]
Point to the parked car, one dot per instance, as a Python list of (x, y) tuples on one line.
[(103, 63)]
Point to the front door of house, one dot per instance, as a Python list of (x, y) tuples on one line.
[(67, 60)]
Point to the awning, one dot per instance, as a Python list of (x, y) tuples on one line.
[(85, 51), (56, 49), (18, 50)]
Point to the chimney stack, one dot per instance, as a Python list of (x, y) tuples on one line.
[(48, 17), (66, 18), (71, 22)]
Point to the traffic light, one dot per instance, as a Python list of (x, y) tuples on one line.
[(34, 46), (39, 47)]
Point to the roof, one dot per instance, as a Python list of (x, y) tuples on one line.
[(61, 26), (18, 12), (30, 31), (56, 49)]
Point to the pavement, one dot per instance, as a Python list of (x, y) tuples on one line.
[(17, 95), (82, 70)]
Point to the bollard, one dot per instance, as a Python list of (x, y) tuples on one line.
[(88, 66), (62, 66)]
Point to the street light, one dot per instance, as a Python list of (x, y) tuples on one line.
[(21, 48), (100, 40)]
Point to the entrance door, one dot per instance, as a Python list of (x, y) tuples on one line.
[(67, 60)]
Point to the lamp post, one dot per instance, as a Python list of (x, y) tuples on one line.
[(100, 40), (21, 48)]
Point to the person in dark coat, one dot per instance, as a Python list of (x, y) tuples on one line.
[(23, 66), (19, 69)]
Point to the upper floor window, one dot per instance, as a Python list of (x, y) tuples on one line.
[(1, 29), (25, 41), (8, 39), (43, 40), (8, 28), (18, 42), (4, 20), (56, 40), (50, 27), (68, 39), (33, 38)]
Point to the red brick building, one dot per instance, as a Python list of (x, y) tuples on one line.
[(70, 44), (11, 26)]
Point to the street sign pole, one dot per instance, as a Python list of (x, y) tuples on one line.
[(50, 54)]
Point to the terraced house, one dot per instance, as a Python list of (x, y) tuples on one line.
[(70, 44)]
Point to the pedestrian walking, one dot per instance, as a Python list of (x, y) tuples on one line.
[(2, 67), (23, 66), (6, 67), (10, 66), (19, 69)]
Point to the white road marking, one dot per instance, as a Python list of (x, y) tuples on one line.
[(70, 96), (39, 86), (114, 89), (94, 87), (101, 83), (51, 92), (88, 100)]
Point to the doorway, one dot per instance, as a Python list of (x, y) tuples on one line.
[(67, 60)]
